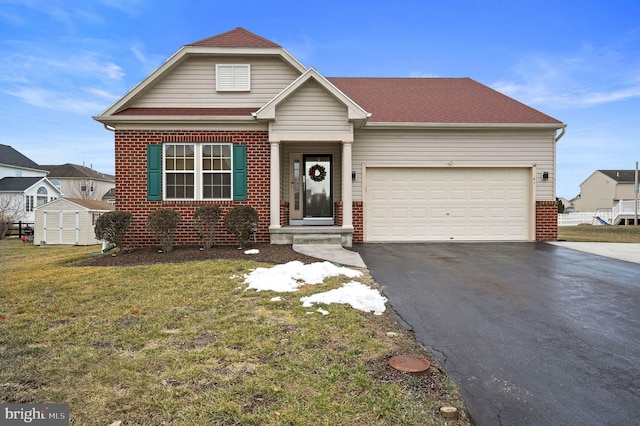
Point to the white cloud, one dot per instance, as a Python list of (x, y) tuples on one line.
[(587, 78), (59, 101)]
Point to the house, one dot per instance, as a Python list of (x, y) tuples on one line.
[(603, 189), (82, 182), (610, 191), (23, 186), (236, 119), (69, 221)]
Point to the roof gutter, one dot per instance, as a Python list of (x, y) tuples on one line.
[(408, 125), (563, 130)]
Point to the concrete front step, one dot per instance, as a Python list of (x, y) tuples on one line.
[(317, 239)]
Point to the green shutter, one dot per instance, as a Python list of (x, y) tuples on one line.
[(154, 172), (239, 172)]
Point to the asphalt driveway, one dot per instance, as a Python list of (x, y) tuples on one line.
[(532, 333)]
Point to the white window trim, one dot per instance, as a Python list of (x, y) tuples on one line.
[(233, 77), (197, 172)]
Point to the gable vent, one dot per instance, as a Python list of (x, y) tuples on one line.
[(233, 77)]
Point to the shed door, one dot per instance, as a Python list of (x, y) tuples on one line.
[(61, 227), (444, 204)]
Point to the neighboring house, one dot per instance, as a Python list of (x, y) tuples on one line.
[(604, 189), (23, 186), (110, 196), (80, 182), (235, 119), (69, 221)]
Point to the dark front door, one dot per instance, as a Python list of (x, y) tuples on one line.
[(318, 197)]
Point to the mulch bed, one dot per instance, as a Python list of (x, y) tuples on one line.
[(272, 253)]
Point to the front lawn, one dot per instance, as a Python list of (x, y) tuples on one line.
[(600, 234), (187, 344)]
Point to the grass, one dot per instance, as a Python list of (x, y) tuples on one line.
[(601, 234), (184, 344)]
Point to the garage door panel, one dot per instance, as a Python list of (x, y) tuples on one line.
[(421, 204)]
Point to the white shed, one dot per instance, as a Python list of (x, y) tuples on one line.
[(68, 221)]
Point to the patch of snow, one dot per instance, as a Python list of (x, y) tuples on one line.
[(252, 251), (276, 299), (353, 293), (289, 276)]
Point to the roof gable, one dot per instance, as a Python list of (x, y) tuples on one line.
[(238, 37), (354, 111), (235, 43), (436, 100)]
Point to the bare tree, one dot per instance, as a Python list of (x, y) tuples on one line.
[(11, 210)]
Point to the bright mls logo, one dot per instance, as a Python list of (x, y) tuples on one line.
[(37, 414)]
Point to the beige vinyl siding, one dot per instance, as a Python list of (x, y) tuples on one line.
[(455, 148), (311, 109), (311, 148), (192, 84), (599, 191)]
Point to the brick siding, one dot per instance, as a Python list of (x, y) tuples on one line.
[(131, 183), (546, 221), (358, 221)]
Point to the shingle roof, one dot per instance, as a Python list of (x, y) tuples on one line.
[(18, 184), (69, 170), (620, 175), (92, 204), (238, 37), (436, 100), (11, 157)]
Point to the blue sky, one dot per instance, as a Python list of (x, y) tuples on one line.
[(63, 61)]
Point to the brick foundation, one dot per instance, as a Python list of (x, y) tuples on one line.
[(546, 221), (131, 183), (358, 221), (337, 213)]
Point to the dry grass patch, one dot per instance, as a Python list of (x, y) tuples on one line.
[(186, 344), (600, 234)]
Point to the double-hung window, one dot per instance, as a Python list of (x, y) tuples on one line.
[(200, 171), (216, 171), (180, 171)]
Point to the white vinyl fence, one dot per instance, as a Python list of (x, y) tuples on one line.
[(574, 219)]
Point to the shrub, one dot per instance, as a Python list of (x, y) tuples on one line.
[(163, 223), (242, 221), (112, 227), (205, 220)]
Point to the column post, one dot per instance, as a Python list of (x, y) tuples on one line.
[(274, 187), (347, 184)]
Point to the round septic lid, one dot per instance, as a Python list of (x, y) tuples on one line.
[(409, 364)]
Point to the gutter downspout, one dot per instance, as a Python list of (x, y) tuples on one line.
[(562, 132), (113, 129)]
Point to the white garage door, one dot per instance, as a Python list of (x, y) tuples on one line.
[(442, 204)]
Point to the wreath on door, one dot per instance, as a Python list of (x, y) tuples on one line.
[(317, 173)]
